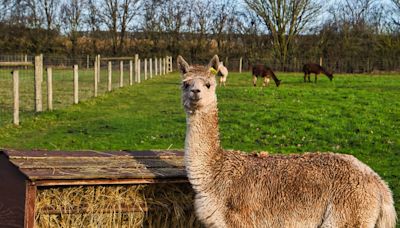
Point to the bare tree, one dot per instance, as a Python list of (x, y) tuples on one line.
[(202, 18), (173, 15), (4, 8), (33, 15), (110, 18), (117, 14), (49, 9), (92, 20), (284, 19), (225, 22), (129, 9), (71, 20), (396, 19)]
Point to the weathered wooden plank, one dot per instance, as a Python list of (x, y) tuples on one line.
[(129, 162), (116, 58), (178, 180), (91, 153), (103, 173), (15, 64), (30, 199)]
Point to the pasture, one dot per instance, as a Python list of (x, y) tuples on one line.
[(62, 89), (353, 114)]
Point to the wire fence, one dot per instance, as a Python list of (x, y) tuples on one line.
[(123, 73), (63, 75)]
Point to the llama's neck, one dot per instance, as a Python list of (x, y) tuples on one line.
[(324, 71), (202, 144)]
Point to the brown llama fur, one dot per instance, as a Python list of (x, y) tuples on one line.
[(266, 73), (234, 189), (316, 69)]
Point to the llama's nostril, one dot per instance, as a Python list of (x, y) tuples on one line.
[(195, 90)]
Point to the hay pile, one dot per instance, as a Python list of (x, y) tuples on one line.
[(152, 205)]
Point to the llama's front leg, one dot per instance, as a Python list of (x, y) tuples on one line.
[(309, 76), (316, 76), (254, 80), (266, 81), (305, 77)]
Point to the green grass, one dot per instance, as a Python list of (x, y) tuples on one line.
[(354, 114), (62, 89)]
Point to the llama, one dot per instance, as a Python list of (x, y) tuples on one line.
[(316, 69), (266, 73), (222, 72), (234, 189)]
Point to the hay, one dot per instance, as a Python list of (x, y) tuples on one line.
[(152, 205)]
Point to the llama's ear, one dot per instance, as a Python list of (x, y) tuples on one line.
[(183, 66), (214, 62)]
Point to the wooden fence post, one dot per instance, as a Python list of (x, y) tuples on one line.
[(121, 74), (26, 60), (171, 64), (155, 67), (130, 72), (38, 82), (49, 88), (15, 75), (160, 66), (139, 68), (136, 67), (95, 66), (320, 61), (109, 84), (98, 68), (145, 69), (240, 64), (164, 65), (76, 84), (151, 67)]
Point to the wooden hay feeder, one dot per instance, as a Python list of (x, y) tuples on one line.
[(95, 189)]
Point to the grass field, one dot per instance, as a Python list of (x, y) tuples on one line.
[(62, 89), (354, 114)]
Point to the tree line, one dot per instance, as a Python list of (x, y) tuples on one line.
[(349, 35)]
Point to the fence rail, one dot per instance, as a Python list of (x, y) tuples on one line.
[(66, 83)]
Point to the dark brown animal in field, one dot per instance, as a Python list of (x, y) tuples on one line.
[(266, 73), (316, 69)]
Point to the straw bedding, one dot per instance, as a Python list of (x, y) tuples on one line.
[(152, 205)]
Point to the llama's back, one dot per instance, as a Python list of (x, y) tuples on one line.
[(222, 71), (312, 68), (315, 189)]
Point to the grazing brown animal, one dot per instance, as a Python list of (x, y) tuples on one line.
[(316, 69), (266, 73), (235, 189)]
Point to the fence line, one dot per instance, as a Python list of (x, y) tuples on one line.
[(76, 84), (38, 82), (89, 78), (50, 88), (15, 74)]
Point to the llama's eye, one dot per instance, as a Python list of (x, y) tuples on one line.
[(208, 85), (185, 85)]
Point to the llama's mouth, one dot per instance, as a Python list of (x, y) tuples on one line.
[(195, 99)]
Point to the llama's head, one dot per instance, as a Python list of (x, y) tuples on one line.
[(198, 85), (330, 75)]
